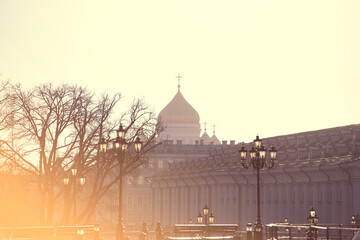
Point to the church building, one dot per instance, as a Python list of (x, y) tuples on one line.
[(181, 141), (182, 123), (319, 169)]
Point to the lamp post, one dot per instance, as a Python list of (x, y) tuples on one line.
[(313, 219), (258, 161), (288, 230), (74, 176), (96, 232), (248, 231), (355, 220), (208, 219), (120, 146)]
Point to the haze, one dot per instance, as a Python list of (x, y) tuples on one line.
[(249, 67)]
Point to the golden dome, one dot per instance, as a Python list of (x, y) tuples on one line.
[(179, 110)]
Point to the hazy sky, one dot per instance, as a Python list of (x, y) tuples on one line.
[(267, 67)]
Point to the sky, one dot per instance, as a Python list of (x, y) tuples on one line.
[(266, 67)]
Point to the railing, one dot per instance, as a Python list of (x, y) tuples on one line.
[(81, 232), (310, 232)]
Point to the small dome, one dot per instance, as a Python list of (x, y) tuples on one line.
[(179, 110), (206, 138), (215, 140)]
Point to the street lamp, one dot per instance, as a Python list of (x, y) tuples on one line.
[(208, 219), (211, 218), (96, 232), (206, 212), (199, 218), (313, 219), (258, 161), (120, 146), (76, 188), (103, 145), (248, 231), (80, 233), (355, 220)]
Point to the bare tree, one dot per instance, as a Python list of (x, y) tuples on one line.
[(139, 121), (59, 128), (43, 131), (6, 109)]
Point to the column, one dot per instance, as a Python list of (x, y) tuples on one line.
[(201, 195), (324, 201), (297, 208), (191, 204), (179, 206), (264, 200), (273, 210), (190, 213), (289, 208), (334, 216), (244, 206), (220, 199), (196, 203), (208, 196), (162, 206), (306, 205), (184, 205), (166, 207), (356, 196), (315, 193), (229, 202), (154, 206), (233, 206), (282, 212), (251, 205), (237, 202), (157, 205), (214, 201), (344, 203), (173, 203)]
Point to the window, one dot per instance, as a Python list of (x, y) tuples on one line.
[(129, 180), (129, 202), (150, 164), (160, 164), (140, 202), (140, 180)]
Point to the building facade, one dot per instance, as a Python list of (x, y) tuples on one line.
[(319, 169)]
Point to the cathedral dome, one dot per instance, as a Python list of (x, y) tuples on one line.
[(179, 110)]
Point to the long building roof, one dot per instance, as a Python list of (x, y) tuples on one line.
[(328, 147)]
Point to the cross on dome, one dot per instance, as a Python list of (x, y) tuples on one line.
[(178, 77), (205, 126)]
